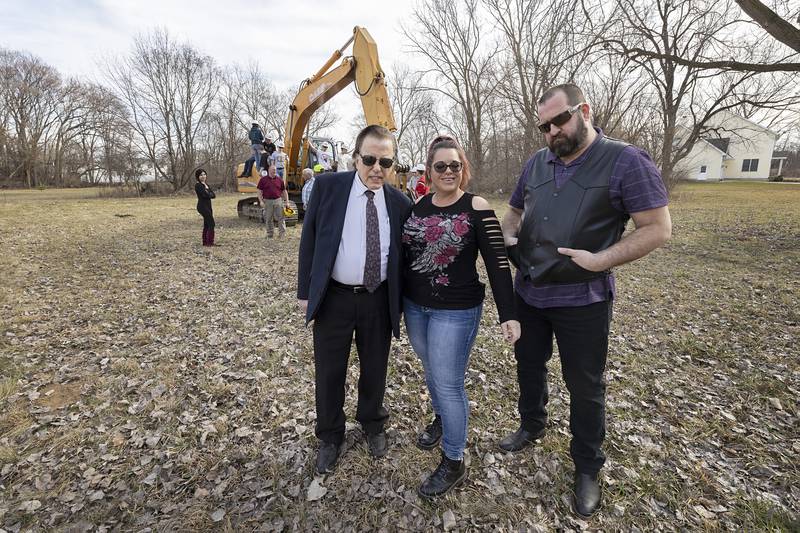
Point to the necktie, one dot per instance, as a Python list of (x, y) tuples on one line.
[(372, 265)]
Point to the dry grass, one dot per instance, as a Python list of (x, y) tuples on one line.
[(182, 381)]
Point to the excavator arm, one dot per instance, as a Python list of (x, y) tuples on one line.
[(363, 68)]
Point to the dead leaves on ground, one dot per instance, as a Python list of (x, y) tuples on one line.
[(147, 382)]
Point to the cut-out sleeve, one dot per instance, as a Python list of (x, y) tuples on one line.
[(492, 247)]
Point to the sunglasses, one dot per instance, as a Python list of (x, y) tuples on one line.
[(384, 162), (441, 166), (560, 119)]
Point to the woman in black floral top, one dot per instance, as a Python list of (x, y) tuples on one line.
[(443, 298)]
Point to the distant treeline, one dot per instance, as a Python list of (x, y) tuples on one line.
[(656, 73)]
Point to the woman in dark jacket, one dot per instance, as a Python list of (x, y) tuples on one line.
[(204, 196)]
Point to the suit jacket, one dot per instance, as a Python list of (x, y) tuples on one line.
[(322, 233)]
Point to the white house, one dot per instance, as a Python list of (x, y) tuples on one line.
[(736, 148)]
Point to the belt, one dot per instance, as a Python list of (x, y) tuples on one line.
[(355, 289)]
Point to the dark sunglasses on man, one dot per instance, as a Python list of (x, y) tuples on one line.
[(441, 166), (560, 119), (384, 162)]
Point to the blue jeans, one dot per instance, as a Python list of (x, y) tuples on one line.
[(443, 338), (257, 149)]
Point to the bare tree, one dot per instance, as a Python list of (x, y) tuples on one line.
[(452, 38), (414, 110), (689, 97), (322, 119), (545, 43), (29, 92), (259, 100), (773, 23), (168, 89), (619, 96), (230, 132), (732, 46)]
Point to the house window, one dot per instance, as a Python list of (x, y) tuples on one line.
[(750, 165), (702, 169)]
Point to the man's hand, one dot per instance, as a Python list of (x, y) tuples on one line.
[(511, 331), (303, 305), (586, 260)]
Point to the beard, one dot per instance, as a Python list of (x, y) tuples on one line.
[(564, 145)]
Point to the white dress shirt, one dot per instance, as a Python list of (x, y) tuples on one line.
[(352, 254)]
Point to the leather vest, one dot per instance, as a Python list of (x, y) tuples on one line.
[(579, 215)]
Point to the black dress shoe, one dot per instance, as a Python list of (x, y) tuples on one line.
[(378, 445), (587, 496), (429, 439), (448, 475), (327, 455), (520, 439)]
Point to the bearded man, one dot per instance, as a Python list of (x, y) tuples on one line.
[(564, 230)]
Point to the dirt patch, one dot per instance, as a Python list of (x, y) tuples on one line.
[(58, 395)]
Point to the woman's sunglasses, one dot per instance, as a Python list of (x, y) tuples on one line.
[(560, 119), (441, 166), (384, 162)]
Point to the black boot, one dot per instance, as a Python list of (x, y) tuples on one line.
[(587, 494), (327, 454), (448, 474), (520, 439), (429, 439)]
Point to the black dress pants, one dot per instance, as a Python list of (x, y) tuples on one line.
[(342, 314), (208, 218), (582, 337)]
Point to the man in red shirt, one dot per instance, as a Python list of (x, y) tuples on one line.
[(273, 197)]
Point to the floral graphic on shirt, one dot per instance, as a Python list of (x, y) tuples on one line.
[(434, 242)]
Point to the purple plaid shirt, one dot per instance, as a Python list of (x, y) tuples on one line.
[(635, 185)]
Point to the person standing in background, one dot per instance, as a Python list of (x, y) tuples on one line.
[(256, 143), (279, 158), (273, 197), (204, 196)]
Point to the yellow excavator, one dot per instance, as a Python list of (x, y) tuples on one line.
[(361, 68)]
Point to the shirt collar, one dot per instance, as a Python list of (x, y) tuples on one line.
[(358, 188), (553, 158)]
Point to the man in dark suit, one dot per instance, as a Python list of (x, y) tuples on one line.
[(348, 281)]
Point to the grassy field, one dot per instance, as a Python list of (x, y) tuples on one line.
[(148, 382)]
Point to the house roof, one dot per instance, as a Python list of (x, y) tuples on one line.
[(721, 144), (759, 126), (725, 154)]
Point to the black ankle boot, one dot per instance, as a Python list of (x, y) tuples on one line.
[(588, 494), (429, 439), (448, 474)]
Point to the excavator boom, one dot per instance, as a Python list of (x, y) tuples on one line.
[(363, 68)]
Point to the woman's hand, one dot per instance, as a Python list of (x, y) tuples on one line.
[(511, 331)]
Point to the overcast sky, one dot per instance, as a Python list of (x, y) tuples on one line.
[(290, 40)]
